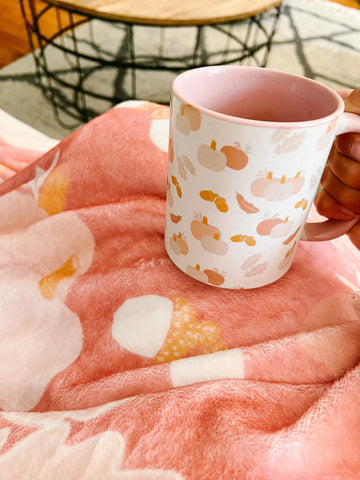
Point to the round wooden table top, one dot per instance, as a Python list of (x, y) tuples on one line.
[(168, 12)]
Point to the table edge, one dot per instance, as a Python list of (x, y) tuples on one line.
[(164, 21)]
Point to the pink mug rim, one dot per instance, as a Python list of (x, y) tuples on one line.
[(260, 123)]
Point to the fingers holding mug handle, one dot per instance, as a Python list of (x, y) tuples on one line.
[(332, 228), (327, 230)]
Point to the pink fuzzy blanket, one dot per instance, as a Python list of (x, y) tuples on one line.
[(116, 365)]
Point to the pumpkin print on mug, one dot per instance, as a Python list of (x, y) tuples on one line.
[(245, 161)]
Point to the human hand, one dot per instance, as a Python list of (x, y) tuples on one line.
[(340, 196)]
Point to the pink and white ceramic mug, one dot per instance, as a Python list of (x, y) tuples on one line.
[(247, 149)]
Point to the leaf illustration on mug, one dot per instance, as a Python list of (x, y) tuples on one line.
[(247, 207), (210, 157), (171, 150), (175, 182), (276, 189), (326, 138), (252, 266), (188, 119), (175, 218), (287, 141), (279, 135), (314, 181), (303, 203), (188, 164), (315, 178), (250, 261), (256, 270), (220, 202), (286, 261), (185, 166), (275, 227), (292, 236)]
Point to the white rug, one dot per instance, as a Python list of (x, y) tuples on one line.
[(315, 38)]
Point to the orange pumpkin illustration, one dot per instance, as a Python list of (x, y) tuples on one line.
[(214, 244), (220, 202), (275, 227), (265, 227), (214, 277), (201, 228), (208, 195), (236, 158), (249, 240), (210, 157), (196, 273), (171, 150), (178, 244), (169, 195)]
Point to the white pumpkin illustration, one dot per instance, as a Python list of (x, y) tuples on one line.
[(211, 158), (275, 189), (97, 455), (159, 133), (39, 273), (141, 324), (188, 119)]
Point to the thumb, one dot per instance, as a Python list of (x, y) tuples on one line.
[(352, 102)]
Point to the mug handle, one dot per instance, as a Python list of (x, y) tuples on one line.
[(330, 229)]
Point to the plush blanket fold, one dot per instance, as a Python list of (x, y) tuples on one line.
[(116, 365)]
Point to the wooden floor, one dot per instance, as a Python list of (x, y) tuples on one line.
[(13, 38), (14, 41)]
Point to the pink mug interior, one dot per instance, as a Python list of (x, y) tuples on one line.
[(258, 94)]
